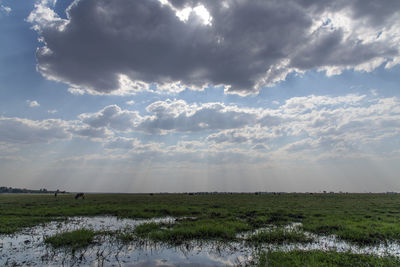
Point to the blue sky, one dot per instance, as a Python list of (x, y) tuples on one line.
[(155, 96)]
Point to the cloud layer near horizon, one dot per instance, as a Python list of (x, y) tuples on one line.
[(308, 128), (124, 47)]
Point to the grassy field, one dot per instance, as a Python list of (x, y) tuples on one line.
[(363, 219), (359, 218)]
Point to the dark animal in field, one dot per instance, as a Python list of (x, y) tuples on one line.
[(82, 195), (56, 193)]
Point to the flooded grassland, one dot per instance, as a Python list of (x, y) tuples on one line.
[(200, 230)]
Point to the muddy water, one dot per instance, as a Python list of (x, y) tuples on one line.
[(27, 247)]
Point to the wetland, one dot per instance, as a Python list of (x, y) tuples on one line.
[(200, 230)]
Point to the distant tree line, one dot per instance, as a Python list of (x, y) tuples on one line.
[(4, 189)]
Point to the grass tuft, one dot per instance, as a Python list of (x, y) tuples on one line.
[(280, 236), (74, 240), (191, 230)]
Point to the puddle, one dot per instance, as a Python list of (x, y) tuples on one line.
[(326, 243), (27, 247), (333, 243)]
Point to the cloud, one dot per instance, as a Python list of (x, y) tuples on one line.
[(249, 135), (24, 131), (241, 45), (352, 125), (122, 143), (304, 104), (8, 148), (260, 147), (95, 134), (130, 102), (301, 128), (4, 9), (228, 137), (189, 146), (76, 91), (310, 123), (179, 116), (314, 125), (111, 116), (33, 104)]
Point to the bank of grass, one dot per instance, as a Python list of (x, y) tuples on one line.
[(360, 218), (71, 240), (209, 230), (323, 259), (191, 230), (280, 236), (12, 223), (362, 231)]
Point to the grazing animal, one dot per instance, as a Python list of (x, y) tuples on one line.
[(82, 195), (56, 193)]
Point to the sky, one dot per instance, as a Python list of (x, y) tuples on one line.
[(200, 95)]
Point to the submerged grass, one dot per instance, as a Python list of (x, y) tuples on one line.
[(323, 259), (360, 218), (73, 240)]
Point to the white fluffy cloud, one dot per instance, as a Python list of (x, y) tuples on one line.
[(179, 116), (320, 124), (310, 122), (111, 116), (301, 127), (242, 45)]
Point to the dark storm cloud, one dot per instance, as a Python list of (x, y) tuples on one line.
[(328, 49), (246, 45)]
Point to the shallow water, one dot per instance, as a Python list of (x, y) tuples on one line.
[(326, 243), (27, 247)]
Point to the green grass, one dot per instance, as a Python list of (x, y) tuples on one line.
[(224, 230), (322, 259), (72, 240), (360, 218), (144, 230), (280, 236)]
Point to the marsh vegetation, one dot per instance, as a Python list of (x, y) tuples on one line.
[(246, 228)]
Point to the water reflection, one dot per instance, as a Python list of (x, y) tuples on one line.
[(27, 247)]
